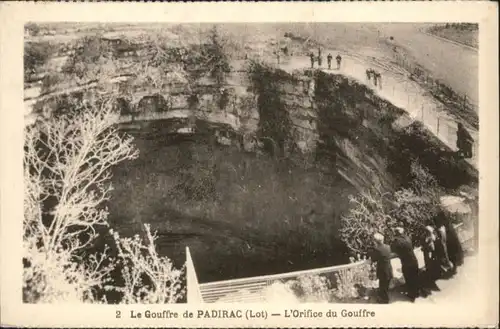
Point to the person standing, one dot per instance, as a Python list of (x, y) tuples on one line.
[(311, 56), (369, 74), (464, 141), (329, 60), (455, 250), (381, 254), (403, 248), (441, 243), (432, 268), (320, 58), (378, 77), (339, 60)]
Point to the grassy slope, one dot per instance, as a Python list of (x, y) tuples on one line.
[(466, 35)]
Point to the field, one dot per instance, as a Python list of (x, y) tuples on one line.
[(467, 34)]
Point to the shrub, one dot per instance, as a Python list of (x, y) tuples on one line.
[(32, 28), (50, 81), (149, 278), (36, 55), (354, 282), (370, 213), (412, 208), (310, 288), (92, 60), (349, 284), (275, 123), (217, 59), (418, 204)]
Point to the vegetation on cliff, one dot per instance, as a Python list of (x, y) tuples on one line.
[(274, 123)]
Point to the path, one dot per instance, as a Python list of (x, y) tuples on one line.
[(397, 89), (459, 289)]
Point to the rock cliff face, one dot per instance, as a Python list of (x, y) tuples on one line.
[(311, 140), (330, 118)]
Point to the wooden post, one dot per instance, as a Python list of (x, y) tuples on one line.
[(193, 293)]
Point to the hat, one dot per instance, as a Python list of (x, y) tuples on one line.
[(429, 228), (378, 237), (400, 230)]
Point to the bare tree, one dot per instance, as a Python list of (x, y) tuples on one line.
[(412, 208), (370, 213), (67, 169), (148, 277)]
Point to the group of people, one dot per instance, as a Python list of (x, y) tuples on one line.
[(442, 252), (329, 58), (377, 77)]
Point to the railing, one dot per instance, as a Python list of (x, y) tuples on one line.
[(253, 289), (434, 115), (444, 93)]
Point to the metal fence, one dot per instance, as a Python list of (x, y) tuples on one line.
[(439, 89), (253, 289), (431, 113)]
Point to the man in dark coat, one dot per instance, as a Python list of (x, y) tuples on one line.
[(441, 245), (369, 74), (311, 55), (455, 250), (339, 60), (432, 265), (381, 254), (329, 60), (403, 247), (378, 79), (464, 141)]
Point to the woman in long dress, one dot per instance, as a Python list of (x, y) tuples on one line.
[(455, 250), (441, 244), (432, 266)]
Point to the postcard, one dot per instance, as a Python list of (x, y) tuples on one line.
[(249, 164)]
